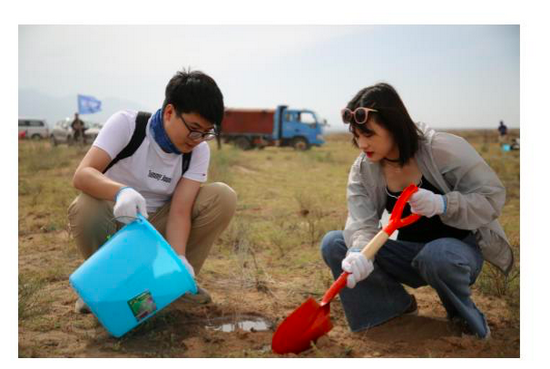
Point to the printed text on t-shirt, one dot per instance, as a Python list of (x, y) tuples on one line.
[(159, 177)]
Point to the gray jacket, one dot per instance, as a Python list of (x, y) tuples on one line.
[(475, 195)]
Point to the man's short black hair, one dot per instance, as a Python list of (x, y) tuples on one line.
[(391, 114), (195, 92)]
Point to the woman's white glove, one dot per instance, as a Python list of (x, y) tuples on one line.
[(427, 203), (187, 265), (358, 266), (129, 202)]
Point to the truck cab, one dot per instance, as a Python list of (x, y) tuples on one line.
[(300, 128)]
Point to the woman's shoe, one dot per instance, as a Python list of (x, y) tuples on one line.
[(413, 307)]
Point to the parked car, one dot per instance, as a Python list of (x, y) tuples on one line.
[(92, 130), (33, 128), (63, 133)]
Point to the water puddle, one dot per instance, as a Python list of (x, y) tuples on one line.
[(247, 323)]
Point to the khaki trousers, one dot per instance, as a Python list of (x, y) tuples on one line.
[(91, 221)]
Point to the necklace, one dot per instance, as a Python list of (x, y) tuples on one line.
[(392, 160), (396, 197)]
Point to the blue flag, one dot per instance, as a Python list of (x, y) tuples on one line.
[(88, 104)]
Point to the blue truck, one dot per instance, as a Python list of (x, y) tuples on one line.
[(258, 128)]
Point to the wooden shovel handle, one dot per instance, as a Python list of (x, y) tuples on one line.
[(375, 244)]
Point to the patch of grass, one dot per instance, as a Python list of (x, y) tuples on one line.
[(319, 156), (41, 323), (282, 233), (45, 189), (28, 296), (39, 156), (27, 187), (222, 163), (287, 201), (57, 271), (313, 215), (251, 270), (507, 166)]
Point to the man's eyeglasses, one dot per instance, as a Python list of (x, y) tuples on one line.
[(360, 115), (198, 135)]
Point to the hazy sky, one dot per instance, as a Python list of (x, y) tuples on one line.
[(448, 76)]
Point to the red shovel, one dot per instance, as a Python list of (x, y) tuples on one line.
[(310, 321)]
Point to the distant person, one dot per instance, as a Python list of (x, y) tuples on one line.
[(459, 197), (502, 132), (515, 144), (162, 176), (78, 128)]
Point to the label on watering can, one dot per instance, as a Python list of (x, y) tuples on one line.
[(142, 305)]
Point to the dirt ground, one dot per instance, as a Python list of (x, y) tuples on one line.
[(184, 330), (271, 286)]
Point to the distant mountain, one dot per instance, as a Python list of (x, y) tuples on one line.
[(35, 104)]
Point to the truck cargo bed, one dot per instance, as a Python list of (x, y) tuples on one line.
[(252, 121)]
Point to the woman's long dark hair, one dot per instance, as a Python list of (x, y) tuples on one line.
[(391, 114)]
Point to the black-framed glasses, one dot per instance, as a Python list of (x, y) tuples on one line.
[(198, 135), (361, 115)]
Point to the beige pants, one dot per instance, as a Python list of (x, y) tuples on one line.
[(91, 221)]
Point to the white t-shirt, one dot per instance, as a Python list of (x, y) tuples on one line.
[(150, 171)]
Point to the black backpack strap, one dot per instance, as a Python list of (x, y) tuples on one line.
[(185, 160), (136, 140)]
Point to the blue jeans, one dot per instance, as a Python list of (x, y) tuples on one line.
[(448, 265)]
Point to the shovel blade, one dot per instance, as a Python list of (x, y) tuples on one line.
[(306, 324)]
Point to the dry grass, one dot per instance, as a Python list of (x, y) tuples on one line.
[(287, 201)]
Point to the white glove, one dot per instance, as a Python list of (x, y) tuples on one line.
[(128, 203), (187, 265), (359, 266), (427, 203)]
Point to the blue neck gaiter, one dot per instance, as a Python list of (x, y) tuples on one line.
[(160, 136)]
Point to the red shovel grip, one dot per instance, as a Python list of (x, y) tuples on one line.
[(335, 288), (395, 218)]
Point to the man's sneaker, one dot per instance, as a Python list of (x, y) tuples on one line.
[(202, 297), (80, 307), (413, 307)]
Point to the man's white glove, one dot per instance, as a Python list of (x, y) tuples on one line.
[(427, 203), (359, 266), (129, 202), (187, 265)]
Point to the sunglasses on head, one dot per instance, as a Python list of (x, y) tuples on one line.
[(359, 115)]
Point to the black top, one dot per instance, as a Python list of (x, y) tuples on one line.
[(425, 229)]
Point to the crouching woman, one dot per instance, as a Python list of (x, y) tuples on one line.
[(459, 197)]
